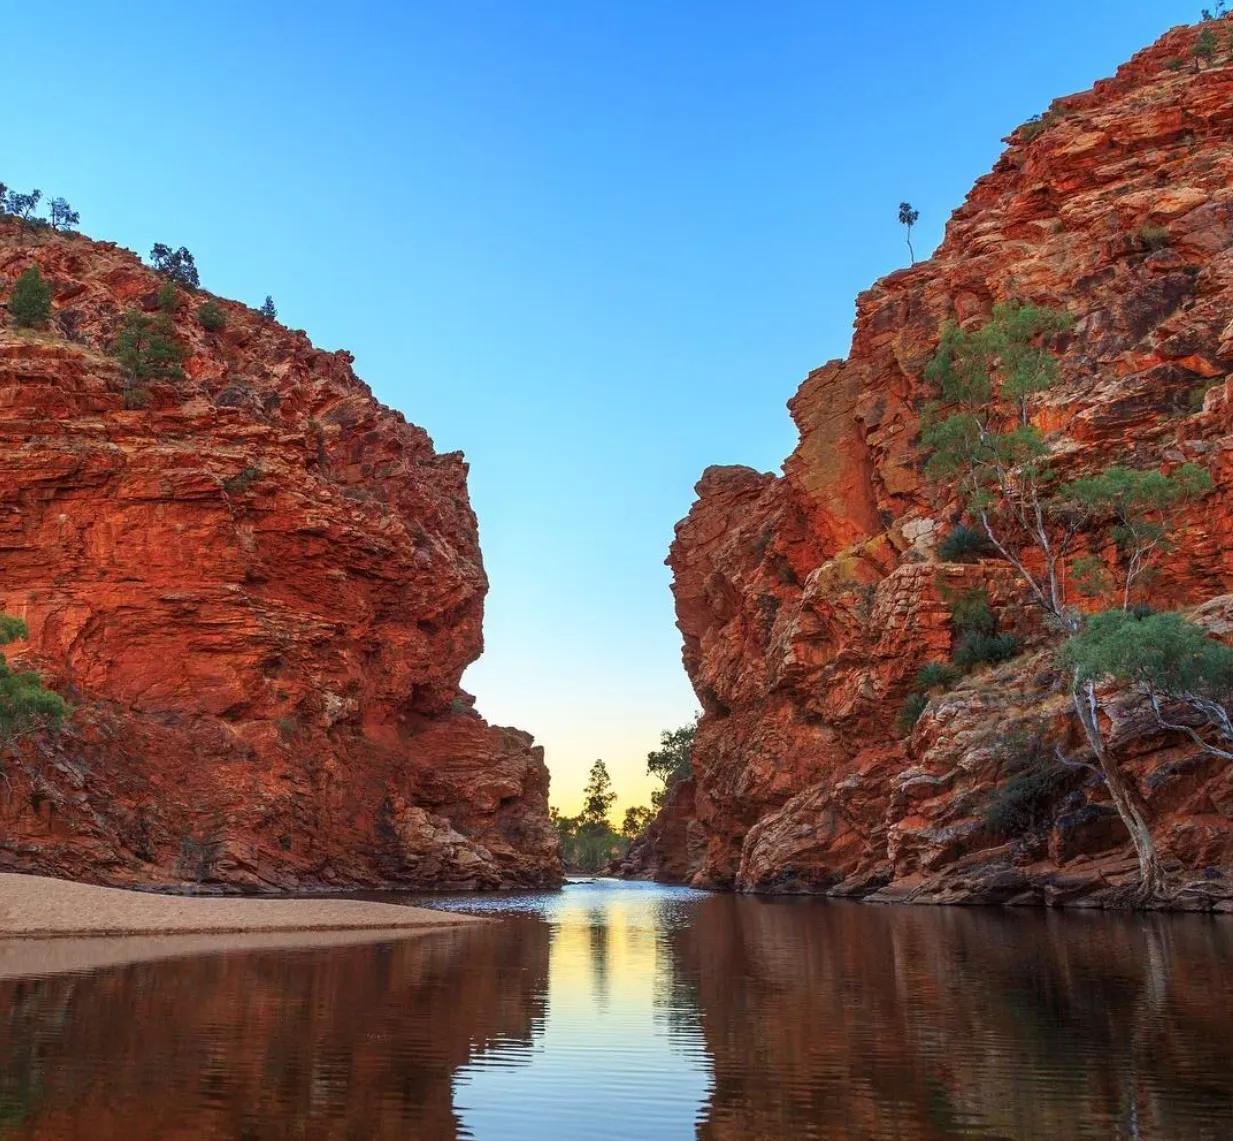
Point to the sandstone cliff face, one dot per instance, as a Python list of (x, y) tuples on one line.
[(807, 602), (260, 588)]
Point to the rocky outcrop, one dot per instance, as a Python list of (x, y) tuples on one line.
[(259, 588), (807, 601)]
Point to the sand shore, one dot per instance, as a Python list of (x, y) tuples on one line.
[(40, 907)]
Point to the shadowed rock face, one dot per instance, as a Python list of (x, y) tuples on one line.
[(807, 602), (260, 588)]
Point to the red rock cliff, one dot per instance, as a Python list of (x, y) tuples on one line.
[(806, 602), (260, 588)]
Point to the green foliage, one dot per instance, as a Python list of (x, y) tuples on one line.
[(179, 265), (1204, 48), (598, 796), (147, 349), (210, 317), (963, 544), (1026, 802), (267, 310), (242, 481), (30, 301), (25, 705), (971, 613), (1038, 123), (671, 761), (23, 206), (63, 216), (935, 675), (984, 649), (1137, 503), (1165, 653), (908, 217), (637, 817), (911, 711), (166, 298), (1154, 237), (1175, 63), (1004, 361), (586, 846)]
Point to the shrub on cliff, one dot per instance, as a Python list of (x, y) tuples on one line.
[(935, 675), (211, 318), (1204, 49), (26, 707), (179, 265), (147, 349), (30, 301), (910, 714), (1027, 801), (963, 544), (267, 310), (166, 299)]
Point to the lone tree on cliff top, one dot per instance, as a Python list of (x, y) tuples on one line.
[(908, 218), (179, 265), (983, 443)]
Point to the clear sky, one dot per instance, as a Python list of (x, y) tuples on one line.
[(595, 244)]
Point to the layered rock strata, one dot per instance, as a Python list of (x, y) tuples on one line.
[(808, 601), (259, 588)]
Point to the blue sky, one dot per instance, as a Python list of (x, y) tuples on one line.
[(595, 244)]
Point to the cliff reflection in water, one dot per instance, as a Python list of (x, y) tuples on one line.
[(349, 1041), (851, 1021), (618, 1012)]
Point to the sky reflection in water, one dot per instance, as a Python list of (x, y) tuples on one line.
[(641, 1012)]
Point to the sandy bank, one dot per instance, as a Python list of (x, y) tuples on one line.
[(36, 906), (27, 957)]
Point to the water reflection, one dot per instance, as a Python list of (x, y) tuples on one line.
[(354, 1042), (638, 1012), (846, 1021)]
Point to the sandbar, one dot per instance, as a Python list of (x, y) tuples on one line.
[(42, 907)]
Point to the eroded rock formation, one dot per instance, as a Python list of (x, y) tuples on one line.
[(807, 602), (260, 588)]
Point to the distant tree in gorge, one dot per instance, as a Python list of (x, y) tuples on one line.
[(598, 797), (63, 216), (179, 265), (30, 301), (267, 309), (637, 817), (26, 707), (671, 762), (908, 218)]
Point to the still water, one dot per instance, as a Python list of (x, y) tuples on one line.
[(634, 1012)]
